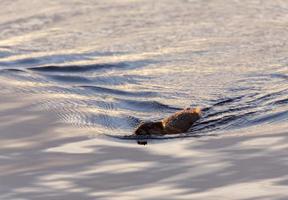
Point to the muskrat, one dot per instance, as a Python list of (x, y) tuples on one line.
[(179, 122)]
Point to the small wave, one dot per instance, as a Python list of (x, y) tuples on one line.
[(228, 100), (238, 109), (280, 76), (265, 98), (77, 68), (70, 79), (12, 70), (222, 122), (274, 117), (104, 90), (125, 65), (280, 102), (144, 106)]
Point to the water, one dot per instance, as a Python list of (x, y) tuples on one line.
[(77, 77)]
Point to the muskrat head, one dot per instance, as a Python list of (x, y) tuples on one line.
[(150, 128)]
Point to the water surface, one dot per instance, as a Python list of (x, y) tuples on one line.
[(76, 77)]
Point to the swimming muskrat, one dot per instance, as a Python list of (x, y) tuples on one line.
[(179, 122)]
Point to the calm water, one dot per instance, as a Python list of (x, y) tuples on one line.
[(78, 76)]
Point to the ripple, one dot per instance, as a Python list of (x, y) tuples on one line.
[(281, 102), (104, 90), (70, 79), (82, 100), (228, 101), (144, 106), (77, 68), (274, 117)]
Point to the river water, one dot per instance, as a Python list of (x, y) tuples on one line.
[(77, 77)]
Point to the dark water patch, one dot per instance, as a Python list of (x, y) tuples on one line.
[(280, 76), (104, 90), (70, 78), (28, 61), (91, 67), (77, 68)]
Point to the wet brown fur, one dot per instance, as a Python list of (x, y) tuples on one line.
[(179, 122)]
